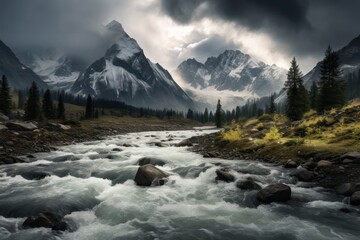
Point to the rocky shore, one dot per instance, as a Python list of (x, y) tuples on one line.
[(340, 173), (24, 138)]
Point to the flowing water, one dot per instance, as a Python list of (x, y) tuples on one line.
[(92, 185)]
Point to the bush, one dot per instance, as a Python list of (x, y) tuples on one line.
[(232, 135), (272, 135)]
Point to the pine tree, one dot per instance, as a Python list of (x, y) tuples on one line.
[(190, 114), (272, 107), (61, 108), (21, 100), (5, 98), (32, 108), (47, 105), (206, 115), (89, 107), (313, 96), (218, 115), (331, 85), (297, 97)]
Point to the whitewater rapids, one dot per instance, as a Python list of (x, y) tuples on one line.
[(92, 185)]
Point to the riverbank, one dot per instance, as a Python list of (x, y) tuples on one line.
[(325, 149), (16, 140)]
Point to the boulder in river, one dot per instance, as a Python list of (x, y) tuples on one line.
[(148, 175), (303, 175), (248, 185), (274, 193), (21, 126), (185, 143), (355, 198), (290, 164), (150, 160), (46, 220), (348, 189), (222, 175), (35, 175)]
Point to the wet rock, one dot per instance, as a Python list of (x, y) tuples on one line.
[(46, 220), (324, 163), (274, 193), (348, 189), (310, 164), (57, 127), (355, 198), (210, 155), (148, 175), (3, 118), (30, 156), (152, 161), (35, 175), (10, 160), (21, 126), (290, 164), (351, 155), (248, 185), (3, 127), (222, 175), (127, 145), (116, 150), (185, 143), (303, 175)]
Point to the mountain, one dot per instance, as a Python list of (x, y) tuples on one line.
[(124, 73), (350, 66), (232, 73), (18, 75), (56, 69)]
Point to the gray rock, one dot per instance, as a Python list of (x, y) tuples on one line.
[(222, 175), (21, 126), (58, 127), (348, 189), (290, 164), (355, 198), (35, 175), (351, 155), (46, 220), (274, 193), (185, 143), (3, 118), (324, 163), (3, 127), (303, 175), (116, 150), (248, 185), (152, 161), (148, 175)]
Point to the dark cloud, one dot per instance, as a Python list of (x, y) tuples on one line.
[(212, 46), (300, 27), (70, 24)]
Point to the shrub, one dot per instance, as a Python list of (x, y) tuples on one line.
[(232, 134), (272, 135)]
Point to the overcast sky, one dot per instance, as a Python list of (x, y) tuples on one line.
[(171, 31)]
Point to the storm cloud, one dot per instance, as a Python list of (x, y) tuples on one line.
[(300, 27)]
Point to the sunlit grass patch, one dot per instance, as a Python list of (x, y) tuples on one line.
[(272, 135), (232, 134)]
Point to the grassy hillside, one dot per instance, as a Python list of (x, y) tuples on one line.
[(318, 136)]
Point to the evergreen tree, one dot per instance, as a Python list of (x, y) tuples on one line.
[(297, 97), (32, 108), (272, 107), (5, 98), (331, 85), (89, 107), (190, 114), (237, 112), (47, 105), (206, 115), (211, 117), (21, 100), (218, 115), (61, 108), (313, 96)]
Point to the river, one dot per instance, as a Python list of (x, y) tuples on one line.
[(92, 185)]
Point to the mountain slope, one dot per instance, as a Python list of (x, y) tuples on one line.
[(19, 75), (125, 74), (232, 76)]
